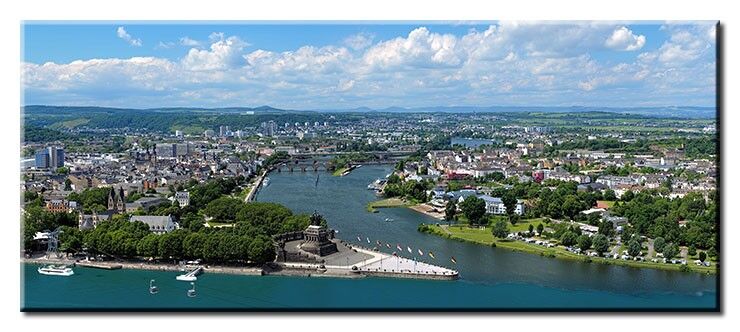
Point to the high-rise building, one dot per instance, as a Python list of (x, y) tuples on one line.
[(223, 131), (42, 159), (51, 157), (269, 128)]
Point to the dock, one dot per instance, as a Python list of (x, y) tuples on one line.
[(96, 265)]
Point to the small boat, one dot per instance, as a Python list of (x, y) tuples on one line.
[(186, 277), (421, 253), (266, 182), (153, 289), (52, 270), (191, 292), (388, 219)]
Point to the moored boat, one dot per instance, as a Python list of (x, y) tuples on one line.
[(52, 270)]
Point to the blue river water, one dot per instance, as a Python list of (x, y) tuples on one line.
[(491, 278)]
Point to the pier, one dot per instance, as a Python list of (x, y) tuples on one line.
[(98, 265)]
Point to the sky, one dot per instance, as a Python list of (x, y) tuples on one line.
[(339, 65)]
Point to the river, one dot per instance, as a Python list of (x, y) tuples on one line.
[(491, 278)]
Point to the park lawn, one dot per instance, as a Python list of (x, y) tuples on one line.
[(484, 237), (608, 204), (339, 171), (388, 203)]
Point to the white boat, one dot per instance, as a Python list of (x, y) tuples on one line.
[(51, 270), (186, 277), (388, 219)]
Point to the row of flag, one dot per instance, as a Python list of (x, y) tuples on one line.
[(398, 246)]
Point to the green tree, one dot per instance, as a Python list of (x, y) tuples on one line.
[(601, 244), (659, 244), (224, 209), (692, 250), (531, 229), (568, 238), (450, 210), (634, 247), (509, 201), (609, 195), (500, 229), (261, 250), (474, 209), (584, 242), (670, 251), (147, 246), (540, 228), (702, 256)]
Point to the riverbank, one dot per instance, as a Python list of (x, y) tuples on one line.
[(485, 237), (427, 210), (388, 203), (250, 271)]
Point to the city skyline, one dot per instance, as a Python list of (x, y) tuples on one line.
[(376, 65)]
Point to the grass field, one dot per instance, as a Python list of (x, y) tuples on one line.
[(484, 237), (387, 203)]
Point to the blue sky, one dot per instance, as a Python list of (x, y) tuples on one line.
[(379, 64)]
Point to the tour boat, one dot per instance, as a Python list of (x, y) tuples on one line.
[(51, 270)]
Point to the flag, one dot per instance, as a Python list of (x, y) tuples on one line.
[(431, 255), (421, 253), (409, 249), (453, 260), (398, 246)]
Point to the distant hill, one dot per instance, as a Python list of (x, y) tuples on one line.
[(693, 112)]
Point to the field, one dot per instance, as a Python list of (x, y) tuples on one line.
[(483, 236)]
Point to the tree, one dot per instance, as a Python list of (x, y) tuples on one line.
[(600, 244), (659, 244), (474, 209), (531, 229), (509, 201), (540, 228), (584, 242), (702, 256), (224, 209), (627, 196), (261, 250), (609, 195), (634, 247), (147, 246), (568, 238), (692, 250), (606, 228), (670, 251), (450, 211), (500, 229)]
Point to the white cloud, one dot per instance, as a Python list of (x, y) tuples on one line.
[(624, 39), (223, 54), (359, 41), (165, 45), (507, 63), (187, 41), (121, 33), (345, 85)]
